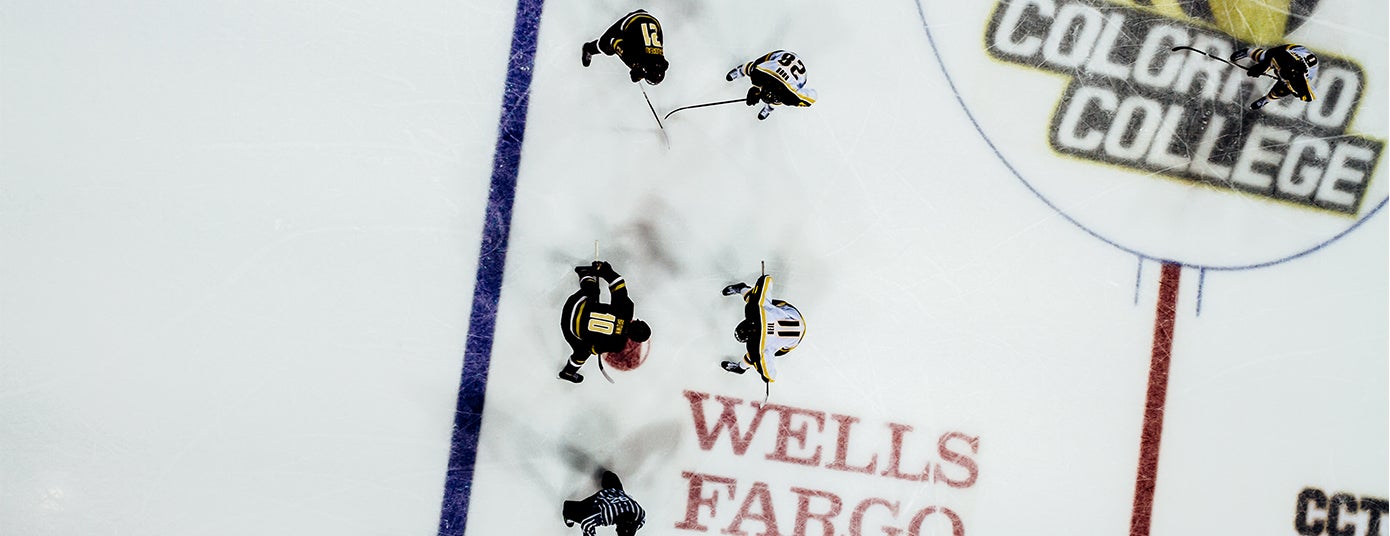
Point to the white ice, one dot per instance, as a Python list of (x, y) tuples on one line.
[(238, 244)]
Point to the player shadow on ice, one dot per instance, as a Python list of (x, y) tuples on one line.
[(639, 456), (636, 242), (582, 451)]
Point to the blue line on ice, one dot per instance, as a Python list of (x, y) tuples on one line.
[(492, 257)]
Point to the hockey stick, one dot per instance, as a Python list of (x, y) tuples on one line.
[(767, 385), (1221, 59), (655, 116), (604, 370), (600, 356), (730, 101)]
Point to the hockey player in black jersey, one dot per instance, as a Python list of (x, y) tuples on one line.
[(592, 327), (636, 40), (779, 77), (1294, 65), (770, 329), (610, 506)]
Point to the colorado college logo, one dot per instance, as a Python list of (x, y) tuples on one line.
[(1132, 102)]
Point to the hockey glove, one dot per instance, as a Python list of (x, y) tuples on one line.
[(604, 270), (752, 98), (586, 271), (636, 74)]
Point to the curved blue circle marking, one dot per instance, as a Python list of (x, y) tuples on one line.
[(956, 91)]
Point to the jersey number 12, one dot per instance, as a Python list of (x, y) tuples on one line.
[(650, 34)]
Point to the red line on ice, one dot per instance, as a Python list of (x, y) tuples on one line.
[(1164, 320)]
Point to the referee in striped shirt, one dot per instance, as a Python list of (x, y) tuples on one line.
[(610, 506)]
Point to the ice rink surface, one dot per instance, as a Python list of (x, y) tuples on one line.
[(1057, 280)]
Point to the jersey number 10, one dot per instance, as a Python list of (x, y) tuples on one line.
[(602, 323)]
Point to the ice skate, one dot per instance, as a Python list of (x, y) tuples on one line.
[(572, 376), (735, 288)]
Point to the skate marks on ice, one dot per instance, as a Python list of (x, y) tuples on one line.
[(1156, 154), (492, 254), (1161, 156)]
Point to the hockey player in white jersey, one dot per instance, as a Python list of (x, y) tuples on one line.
[(770, 329), (779, 77)]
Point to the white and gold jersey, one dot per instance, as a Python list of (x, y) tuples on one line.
[(788, 69), (782, 328)]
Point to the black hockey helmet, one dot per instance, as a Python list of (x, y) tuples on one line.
[(745, 330), (610, 481), (638, 331), (654, 69), (770, 96)]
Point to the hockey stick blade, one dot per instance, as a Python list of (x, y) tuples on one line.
[(655, 116), (604, 370), (1220, 59), (730, 101)]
